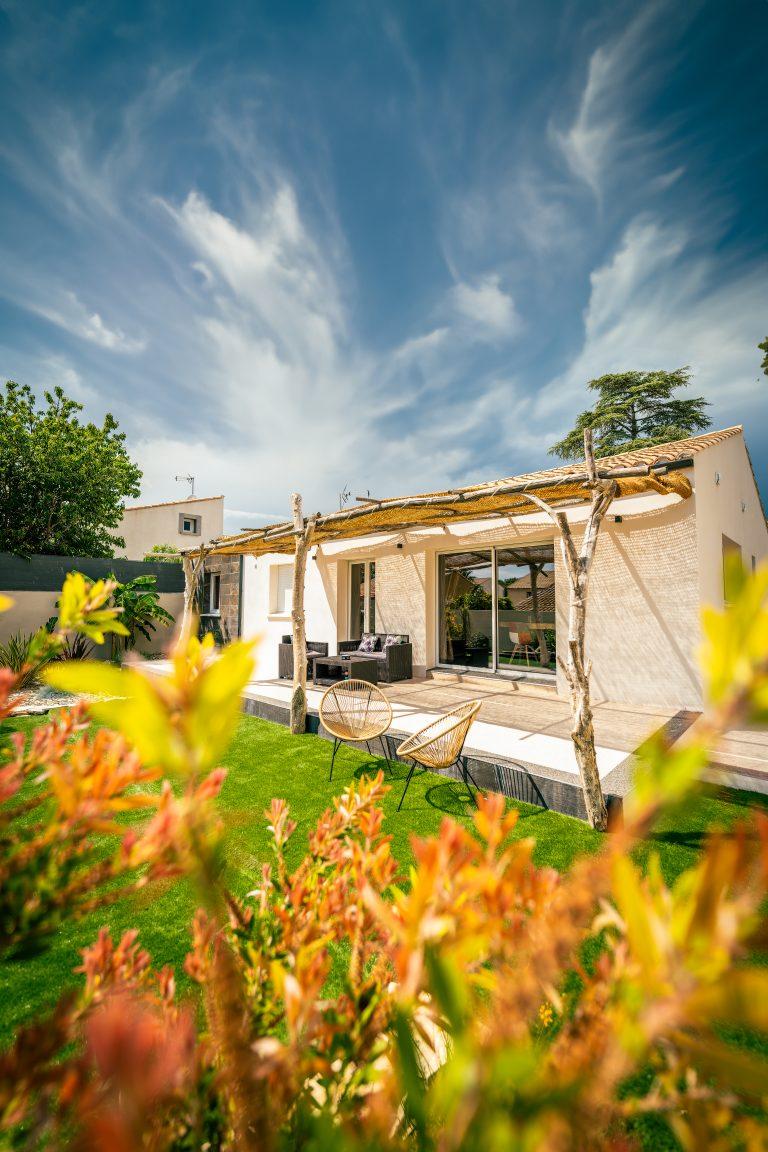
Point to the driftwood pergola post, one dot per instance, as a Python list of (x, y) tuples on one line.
[(303, 532), (192, 564), (575, 667)]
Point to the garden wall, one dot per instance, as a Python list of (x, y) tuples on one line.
[(34, 585)]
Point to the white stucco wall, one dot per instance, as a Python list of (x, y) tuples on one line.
[(145, 526), (263, 617), (728, 504), (31, 609)]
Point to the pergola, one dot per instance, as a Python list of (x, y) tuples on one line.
[(648, 469), (659, 469)]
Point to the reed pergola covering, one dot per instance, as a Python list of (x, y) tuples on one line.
[(657, 469)]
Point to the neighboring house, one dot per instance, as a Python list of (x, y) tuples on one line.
[(182, 523), (490, 594)]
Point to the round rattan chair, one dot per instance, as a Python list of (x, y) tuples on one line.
[(355, 710), (440, 743)]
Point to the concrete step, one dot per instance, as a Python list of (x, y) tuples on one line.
[(530, 686)]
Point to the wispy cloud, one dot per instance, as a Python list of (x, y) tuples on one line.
[(621, 73), (658, 303), (489, 309), (72, 315)]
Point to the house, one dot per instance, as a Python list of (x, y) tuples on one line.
[(181, 523), (475, 577)]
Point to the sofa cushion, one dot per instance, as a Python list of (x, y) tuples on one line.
[(394, 638), (369, 642)]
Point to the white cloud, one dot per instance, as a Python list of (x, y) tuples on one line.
[(487, 307), (298, 402), (646, 250), (620, 73), (75, 318), (656, 305)]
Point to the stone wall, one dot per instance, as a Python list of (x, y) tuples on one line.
[(643, 611), (229, 593), (401, 600)]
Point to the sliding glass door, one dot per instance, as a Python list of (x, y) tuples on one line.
[(497, 609), (466, 609)]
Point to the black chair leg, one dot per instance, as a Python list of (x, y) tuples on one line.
[(336, 746), (466, 773), (407, 782), (386, 753)]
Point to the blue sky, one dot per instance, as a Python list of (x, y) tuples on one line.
[(380, 246)]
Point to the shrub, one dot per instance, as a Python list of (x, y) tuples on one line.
[(26, 657), (138, 603), (487, 1004)]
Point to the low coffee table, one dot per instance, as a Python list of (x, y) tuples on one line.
[(350, 667)]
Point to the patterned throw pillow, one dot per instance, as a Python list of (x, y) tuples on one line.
[(393, 639), (369, 642)]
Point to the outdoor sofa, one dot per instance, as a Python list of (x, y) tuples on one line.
[(392, 652), (285, 656)]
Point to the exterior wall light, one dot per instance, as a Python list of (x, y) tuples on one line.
[(717, 477)]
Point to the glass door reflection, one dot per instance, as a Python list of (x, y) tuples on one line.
[(525, 636), (466, 609)]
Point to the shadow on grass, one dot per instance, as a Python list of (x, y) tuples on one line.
[(698, 838), (394, 771)]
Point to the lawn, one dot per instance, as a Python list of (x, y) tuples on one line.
[(263, 761)]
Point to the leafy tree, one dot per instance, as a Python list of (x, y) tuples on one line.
[(62, 482), (163, 554), (634, 410), (764, 348)]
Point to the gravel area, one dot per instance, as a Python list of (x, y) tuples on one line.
[(41, 698)]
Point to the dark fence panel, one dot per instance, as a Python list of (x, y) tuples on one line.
[(47, 573)]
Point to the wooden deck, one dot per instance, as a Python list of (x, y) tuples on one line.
[(535, 709)]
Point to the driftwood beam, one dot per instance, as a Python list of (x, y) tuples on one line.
[(576, 668), (192, 564), (303, 531)]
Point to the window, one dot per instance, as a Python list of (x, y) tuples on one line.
[(189, 525), (731, 566), (362, 599), (211, 605), (280, 589)]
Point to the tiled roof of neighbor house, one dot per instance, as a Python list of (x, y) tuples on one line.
[(170, 503), (642, 470)]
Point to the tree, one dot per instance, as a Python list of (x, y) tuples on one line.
[(635, 409), (62, 482), (764, 348), (163, 554)]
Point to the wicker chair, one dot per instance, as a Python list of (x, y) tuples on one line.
[(355, 710), (440, 744)]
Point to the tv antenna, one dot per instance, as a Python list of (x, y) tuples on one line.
[(344, 497), (190, 480)]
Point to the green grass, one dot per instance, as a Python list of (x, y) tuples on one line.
[(265, 761)]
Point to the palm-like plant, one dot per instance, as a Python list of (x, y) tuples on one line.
[(25, 656), (140, 610)]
